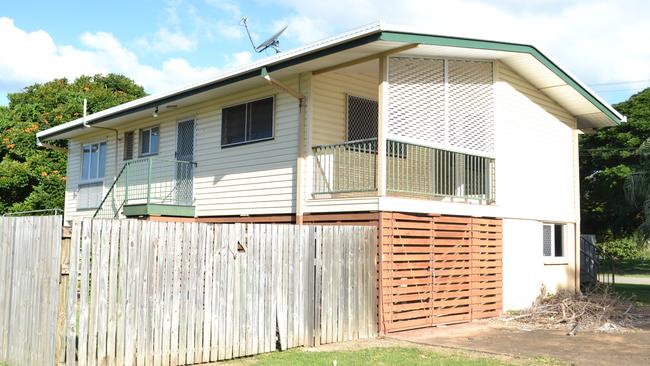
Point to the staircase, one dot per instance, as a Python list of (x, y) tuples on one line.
[(150, 186)]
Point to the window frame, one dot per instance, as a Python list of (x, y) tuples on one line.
[(133, 146), (246, 122), (97, 179), (553, 226), (141, 144)]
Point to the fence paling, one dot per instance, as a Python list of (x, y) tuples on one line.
[(30, 251), (189, 293)]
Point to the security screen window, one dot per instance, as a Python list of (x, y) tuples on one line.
[(248, 122), (128, 145), (362, 118), (553, 240)]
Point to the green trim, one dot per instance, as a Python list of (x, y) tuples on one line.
[(499, 46), (255, 73), (154, 209)]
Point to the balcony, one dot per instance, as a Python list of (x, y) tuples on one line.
[(349, 169), (150, 186)]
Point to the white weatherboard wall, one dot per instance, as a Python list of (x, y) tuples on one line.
[(250, 179), (534, 152), (526, 270), (329, 108)]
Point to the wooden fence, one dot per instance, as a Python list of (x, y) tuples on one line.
[(30, 251), (160, 293)]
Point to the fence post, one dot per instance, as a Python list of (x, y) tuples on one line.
[(62, 307)]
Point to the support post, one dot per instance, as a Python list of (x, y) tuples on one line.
[(382, 128), (148, 181), (576, 205)]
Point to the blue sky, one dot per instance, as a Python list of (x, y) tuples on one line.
[(164, 44)]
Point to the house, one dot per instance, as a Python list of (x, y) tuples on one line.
[(463, 151)]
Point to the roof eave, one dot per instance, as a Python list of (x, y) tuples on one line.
[(363, 35), (398, 36)]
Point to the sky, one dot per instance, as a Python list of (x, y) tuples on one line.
[(165, 44)]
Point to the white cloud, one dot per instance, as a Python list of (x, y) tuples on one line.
[(238, 59), (600, 41), (302, 28), (228, 30), (165, 41), (30, 57)]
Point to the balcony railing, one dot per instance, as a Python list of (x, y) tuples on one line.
[(349, 167), (427, 172), (411, 170), (149, 181)]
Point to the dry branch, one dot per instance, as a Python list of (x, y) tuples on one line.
[(601, 308)]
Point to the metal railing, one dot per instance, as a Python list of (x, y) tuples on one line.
[(427, 172), (346, 167), (149, 181), (411, 170)]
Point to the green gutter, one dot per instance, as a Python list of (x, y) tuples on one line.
[(499, 46)]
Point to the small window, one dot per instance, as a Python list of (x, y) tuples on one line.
[(248, 122), (362, 118), (553, 240), (149, 140), (93, 162), (128, 145)]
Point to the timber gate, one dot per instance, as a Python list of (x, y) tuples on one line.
[(439, 269)]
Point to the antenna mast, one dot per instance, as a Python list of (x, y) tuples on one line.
[(273, 41), (244, 22)]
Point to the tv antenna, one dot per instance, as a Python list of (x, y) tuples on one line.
[(272, 41)]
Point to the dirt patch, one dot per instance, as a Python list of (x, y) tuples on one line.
[(585, 348)]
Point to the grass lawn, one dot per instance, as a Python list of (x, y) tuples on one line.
[(641, 293), (380, 356), (636, 267)]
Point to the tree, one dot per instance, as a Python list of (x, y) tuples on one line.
[(33, 178), (607, 158)]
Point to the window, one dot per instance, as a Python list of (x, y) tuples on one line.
[(362, 118), (149, 139), (553, 240), (93, 162), (128, 145), (248, 122)]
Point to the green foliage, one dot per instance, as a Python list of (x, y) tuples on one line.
[(33, 178), (607, 158), (618, 250)]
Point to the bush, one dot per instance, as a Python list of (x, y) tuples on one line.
[(621, 249)]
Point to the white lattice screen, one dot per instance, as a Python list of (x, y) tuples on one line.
[(416, 98), (471, 121), (447, 102)]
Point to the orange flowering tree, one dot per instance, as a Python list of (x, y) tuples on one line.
[(33, 178)]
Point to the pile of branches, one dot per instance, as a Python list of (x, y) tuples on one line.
[(600, 309)]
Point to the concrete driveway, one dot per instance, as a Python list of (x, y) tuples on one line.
[(585, 348), (633, 280)]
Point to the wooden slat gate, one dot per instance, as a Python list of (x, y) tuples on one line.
[(439, 269)]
